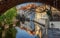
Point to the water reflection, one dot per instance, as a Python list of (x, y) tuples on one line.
[(23, 34)]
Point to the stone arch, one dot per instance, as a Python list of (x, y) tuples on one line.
[(7, 4)]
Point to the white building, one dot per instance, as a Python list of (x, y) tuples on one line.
[(56, 24)]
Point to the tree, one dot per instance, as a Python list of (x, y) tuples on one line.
[(7, 18)]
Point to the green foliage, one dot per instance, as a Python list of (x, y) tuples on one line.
[(8, 16), (49, 12), (11, 33), (0, 32)]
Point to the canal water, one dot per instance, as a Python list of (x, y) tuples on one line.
[(23, 34)]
